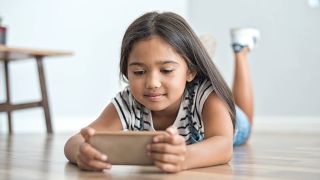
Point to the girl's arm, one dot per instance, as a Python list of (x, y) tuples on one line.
[(172, 155), (79, 152), (217, 148)]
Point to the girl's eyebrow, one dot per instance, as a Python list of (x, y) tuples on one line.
[(158, 62)]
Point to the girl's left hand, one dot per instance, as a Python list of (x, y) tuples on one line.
[(168, 151)]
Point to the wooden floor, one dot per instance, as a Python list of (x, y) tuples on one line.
[(266, 156)]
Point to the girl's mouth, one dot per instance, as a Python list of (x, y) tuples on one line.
[(154, 96)]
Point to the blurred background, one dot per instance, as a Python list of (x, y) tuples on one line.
[(284, 67)]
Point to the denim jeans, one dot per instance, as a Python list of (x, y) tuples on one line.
[(243, 128)]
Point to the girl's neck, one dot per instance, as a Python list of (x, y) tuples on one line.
[(165, 118)]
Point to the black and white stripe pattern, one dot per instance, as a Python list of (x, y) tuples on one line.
[(129, 111)]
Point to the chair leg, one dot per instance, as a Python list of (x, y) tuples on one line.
[(8, 101), (9, 122), (45, 103)]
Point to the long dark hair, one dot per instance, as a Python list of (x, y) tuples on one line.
[(175, 30)]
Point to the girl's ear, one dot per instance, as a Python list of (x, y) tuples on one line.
[(191, 75)]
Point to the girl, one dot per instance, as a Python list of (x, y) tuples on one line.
[(173, 86)]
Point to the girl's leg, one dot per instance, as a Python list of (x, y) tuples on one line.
[(243, 40), (242, 84)]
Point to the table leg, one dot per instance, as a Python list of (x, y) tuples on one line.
[(45, 103), (8, 101)]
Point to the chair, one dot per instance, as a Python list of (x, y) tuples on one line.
[(9, 54)]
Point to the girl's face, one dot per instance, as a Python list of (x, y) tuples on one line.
[(157, 74)]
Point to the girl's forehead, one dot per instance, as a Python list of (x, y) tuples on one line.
[(152, 40), (153, 47)]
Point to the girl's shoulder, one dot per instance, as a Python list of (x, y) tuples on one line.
[(199, 92), (124, 97), (202, 89)]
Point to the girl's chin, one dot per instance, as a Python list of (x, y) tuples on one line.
[(154, 107)]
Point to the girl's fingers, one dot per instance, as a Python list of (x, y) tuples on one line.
[(92, 164), (170, 168), (90, 159), (167, 137), (167, 158), (172, 130), (87, 132), (166, 148), (175, 139), (89, 152)]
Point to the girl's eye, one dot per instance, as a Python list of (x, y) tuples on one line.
[(138, 73), (166, 71)]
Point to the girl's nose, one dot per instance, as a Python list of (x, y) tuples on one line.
[(153, 81)]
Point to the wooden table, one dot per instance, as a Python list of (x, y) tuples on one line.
[(8, 54), (267, 156)]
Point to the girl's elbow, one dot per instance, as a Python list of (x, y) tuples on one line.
[(228, 157), (67, 150), (228, 154)]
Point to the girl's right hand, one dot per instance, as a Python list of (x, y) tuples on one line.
[(88, 158)]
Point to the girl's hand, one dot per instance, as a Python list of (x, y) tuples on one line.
[(168, 151), (88, 158)]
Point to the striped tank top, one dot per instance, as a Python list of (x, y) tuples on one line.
[(135, 118)]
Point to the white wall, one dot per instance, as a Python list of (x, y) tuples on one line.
[(81, 86), (285, 66)]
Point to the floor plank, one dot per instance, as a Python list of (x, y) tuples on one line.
[(265, 156)]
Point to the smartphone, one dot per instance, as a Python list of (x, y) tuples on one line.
[(125, 147)]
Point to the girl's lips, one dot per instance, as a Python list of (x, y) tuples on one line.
[(154, 97)]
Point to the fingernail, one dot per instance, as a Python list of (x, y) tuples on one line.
[(103, 157), (155, 139), (172, 130), (91, 131)]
